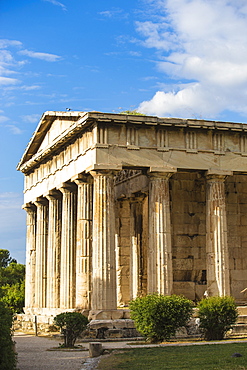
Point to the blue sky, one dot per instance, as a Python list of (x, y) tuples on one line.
[(181, 58)]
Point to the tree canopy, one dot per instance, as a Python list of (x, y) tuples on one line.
[(5, 258), (12, 282)]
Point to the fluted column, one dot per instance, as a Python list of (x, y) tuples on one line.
[(136, 247), (104, 295), (160, 275), (54, 249), (68, 243), (84, 241), (30, 255), (41, 252), (217, 249)]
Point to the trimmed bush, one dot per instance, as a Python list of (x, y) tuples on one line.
[(71, 325), (217, 315), (157, 317), (7, 353)]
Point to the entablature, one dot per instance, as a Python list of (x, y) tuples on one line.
[(98, 140)]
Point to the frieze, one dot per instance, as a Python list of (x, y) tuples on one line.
[(125, 175)]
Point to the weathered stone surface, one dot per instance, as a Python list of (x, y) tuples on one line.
[(119, 206), (96, 324), (95, 349), (106, 314)]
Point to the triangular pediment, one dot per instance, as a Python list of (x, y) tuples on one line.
[(50, 127)]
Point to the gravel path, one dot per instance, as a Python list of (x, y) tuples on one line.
[(33, 353)]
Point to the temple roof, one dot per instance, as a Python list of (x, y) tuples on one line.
[(70, 123)]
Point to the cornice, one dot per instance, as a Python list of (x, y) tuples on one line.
[(85, 119)]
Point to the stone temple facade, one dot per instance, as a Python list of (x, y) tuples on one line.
[(119, 206)]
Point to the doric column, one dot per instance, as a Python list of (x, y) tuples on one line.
[(41, 252), (30, 255), (54, 249), (84, 241), (68, 243), (136, 247), (160, 276), (217, 249), (104, 295)]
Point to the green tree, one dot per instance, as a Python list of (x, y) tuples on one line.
[(158, 317), (217, 315), (71, 325), (5, 258), (12, 282), (7, 353), (14, 296)]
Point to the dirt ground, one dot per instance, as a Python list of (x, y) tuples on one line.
[(33, 353)]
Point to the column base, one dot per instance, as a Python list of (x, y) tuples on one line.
[(107, 324), (110, 329), (47, 312), (111, 314), (41, 320)]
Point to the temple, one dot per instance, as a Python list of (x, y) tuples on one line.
[(119, 206)]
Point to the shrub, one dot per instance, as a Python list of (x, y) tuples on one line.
[(217, 315), (7, 353), (71, 325), (158, 317), (13, 296)]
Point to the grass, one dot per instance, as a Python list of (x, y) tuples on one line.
[(203, 357)]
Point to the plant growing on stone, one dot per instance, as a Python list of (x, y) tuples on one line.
[(71, 325), (217, 315), (158, 317)]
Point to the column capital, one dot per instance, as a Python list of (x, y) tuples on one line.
[(162, 170), (104, 167), (217, 175), (105, 172), (40, 201), (82, 178), (29, 207), (161, 174), (66, 187), (136, 198), (53, 194)]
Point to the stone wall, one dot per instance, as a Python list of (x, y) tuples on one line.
[(188, 215), (236, 201)]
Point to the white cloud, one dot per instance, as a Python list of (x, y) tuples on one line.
[(43, 56), (8, 81), (7, 62), (204, 51), (4, 43), (14, 129), (54, 2), (31, 87), (31, 118), (3, 118), (114, 13), (134, 53), (5, 57), (11, 65), (10, 201)]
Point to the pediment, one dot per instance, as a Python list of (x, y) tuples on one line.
[(56, 128), (51, 126)]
